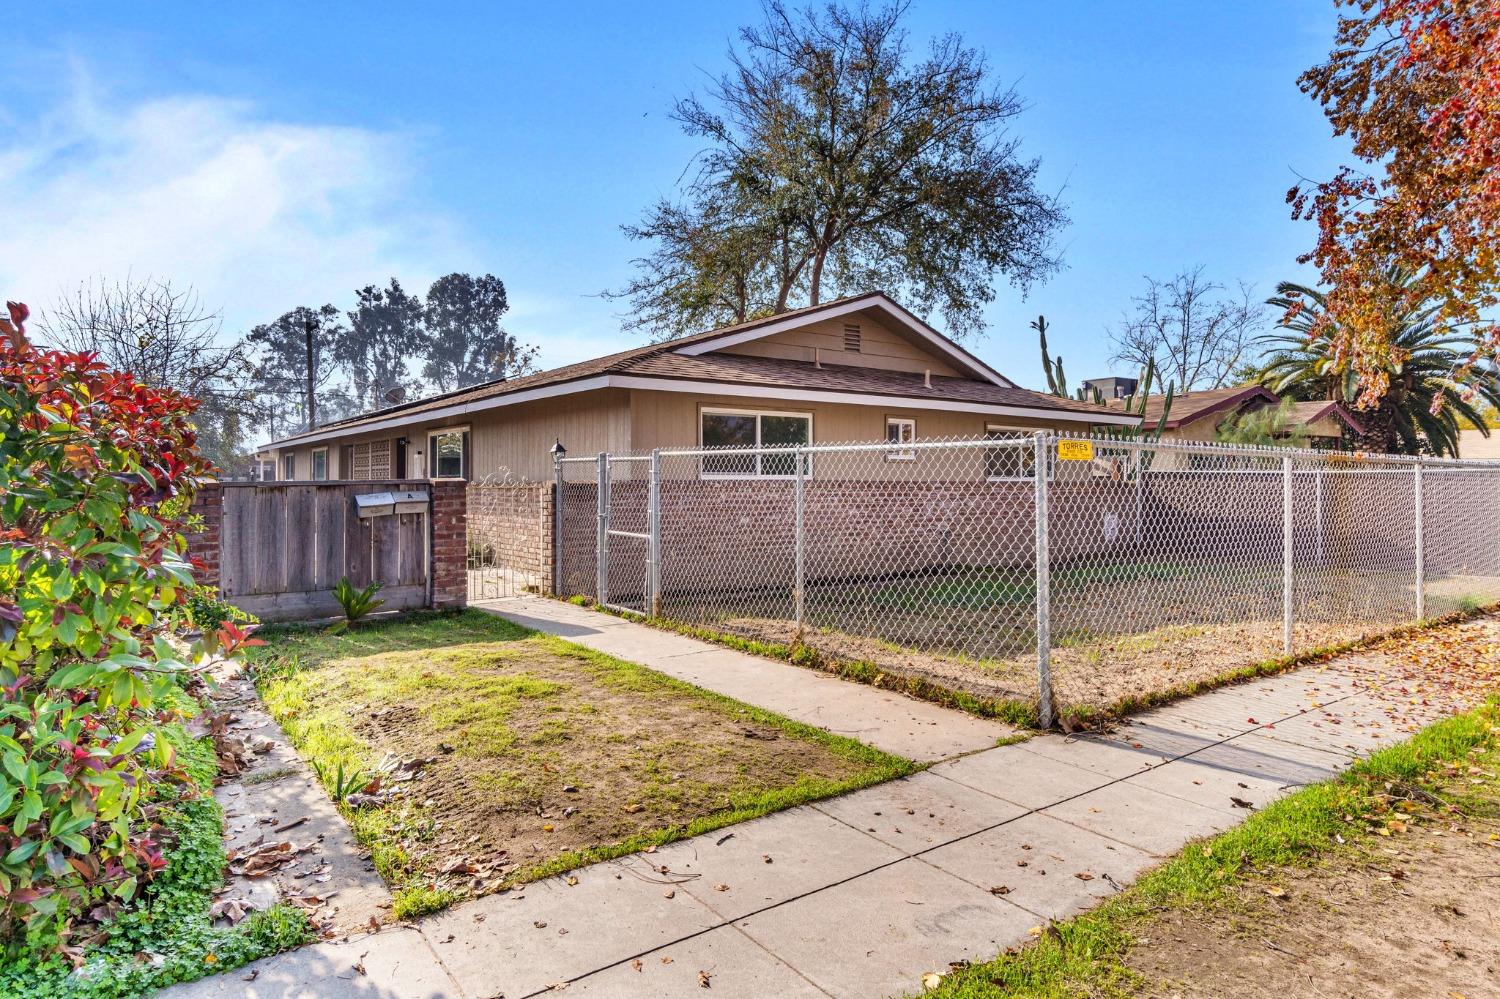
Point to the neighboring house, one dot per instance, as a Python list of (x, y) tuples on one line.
[(855, 369), (1197, 416)]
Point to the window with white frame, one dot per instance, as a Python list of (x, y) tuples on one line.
[(448, 453), (320, 464), (265, 471), (1018, 461), (900, 430), (744, 428), (289, 466)]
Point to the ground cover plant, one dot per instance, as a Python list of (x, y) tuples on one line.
[(496, 755), (1309, 893), (107, 837)]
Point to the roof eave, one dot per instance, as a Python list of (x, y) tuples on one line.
[(661, 383)]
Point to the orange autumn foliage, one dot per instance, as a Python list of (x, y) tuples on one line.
[(1415, 85)]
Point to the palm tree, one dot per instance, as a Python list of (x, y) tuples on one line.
[(1428, 363)]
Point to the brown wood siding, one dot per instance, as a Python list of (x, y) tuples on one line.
[(512, 441), (880, 347)]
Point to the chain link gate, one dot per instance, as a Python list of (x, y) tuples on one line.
[(618, 495)]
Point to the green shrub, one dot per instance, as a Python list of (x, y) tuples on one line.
[(95, 470), (206, 612)]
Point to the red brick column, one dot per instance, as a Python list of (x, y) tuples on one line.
[(203, 545), (450, 570)]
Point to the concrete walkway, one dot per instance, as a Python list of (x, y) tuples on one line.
[(860, 895), (917, 730)]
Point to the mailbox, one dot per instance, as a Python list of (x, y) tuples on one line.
[(375, 504), (410, 501)]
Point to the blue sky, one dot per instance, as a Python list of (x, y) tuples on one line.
[(280, 154)]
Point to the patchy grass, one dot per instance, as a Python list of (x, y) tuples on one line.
[(267, 776), (506, 755), (1319, 828)]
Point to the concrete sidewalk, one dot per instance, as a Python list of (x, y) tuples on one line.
[(860, 895), (917, 730)]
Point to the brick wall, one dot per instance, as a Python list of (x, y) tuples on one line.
[(511, 525), (203, 546), (450, 578), (740, 533)]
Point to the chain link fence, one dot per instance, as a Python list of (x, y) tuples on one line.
[(1072, 573)]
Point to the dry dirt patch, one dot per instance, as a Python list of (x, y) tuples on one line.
[(503, 755), (1420, 916), (1093, 674)]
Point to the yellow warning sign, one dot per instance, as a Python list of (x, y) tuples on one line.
[(1075, 450)]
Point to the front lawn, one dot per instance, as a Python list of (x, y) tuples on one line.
[(504, 755)]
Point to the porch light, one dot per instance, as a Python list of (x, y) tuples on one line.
[(558, 451)]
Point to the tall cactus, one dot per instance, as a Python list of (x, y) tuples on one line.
[(1057, 382), (1135, 402)]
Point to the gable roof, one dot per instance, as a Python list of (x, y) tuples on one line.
[(689, 360), (1311, 412), (1189, 407)]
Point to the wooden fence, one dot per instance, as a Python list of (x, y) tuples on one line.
[(284, 546)]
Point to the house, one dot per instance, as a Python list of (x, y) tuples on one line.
[(1112, 387), (855, 369), (1198, 416)]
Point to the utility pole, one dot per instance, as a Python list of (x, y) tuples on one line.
[(308, 327)]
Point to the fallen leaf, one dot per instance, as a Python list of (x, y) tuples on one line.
[(1084, 876), (721, 887), (1276, 891), (931, 980), (1000, 890), (703, 980)]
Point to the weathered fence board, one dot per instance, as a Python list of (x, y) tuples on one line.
[(286, 546)]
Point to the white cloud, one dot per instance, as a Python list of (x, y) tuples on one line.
[(259, 215)]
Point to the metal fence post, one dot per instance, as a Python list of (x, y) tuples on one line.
[(653, 550), (1286, 555), (601, 542), (1140, 478), (1420, 542), (1318, 512), (1041, 442), (799, 542), (557, 526)]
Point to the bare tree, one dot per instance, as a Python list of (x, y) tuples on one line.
[(1195, 330), (166, 337)]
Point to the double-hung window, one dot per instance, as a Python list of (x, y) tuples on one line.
[(448, 453), (320, 464), (739, 428), (1014, 462), (289, 466)]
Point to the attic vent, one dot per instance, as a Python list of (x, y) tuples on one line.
[(851, 338)]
